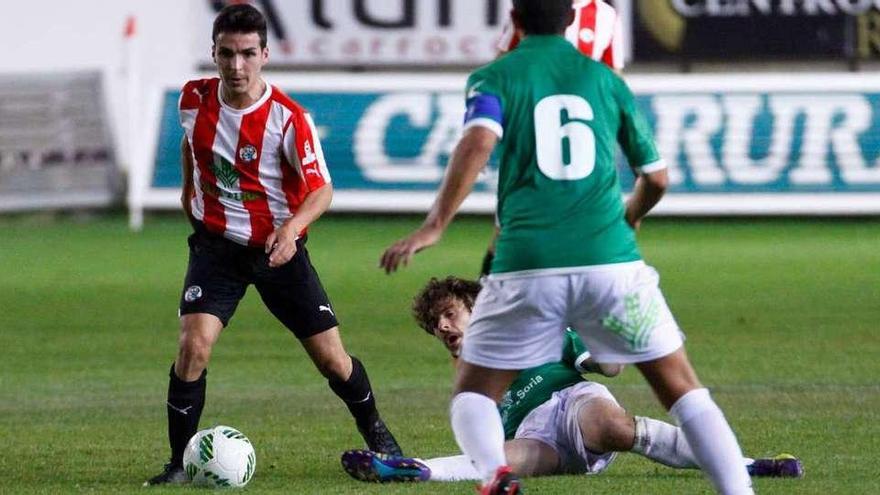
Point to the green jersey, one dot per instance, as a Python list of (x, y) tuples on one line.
[(559, 115), (535, 386)]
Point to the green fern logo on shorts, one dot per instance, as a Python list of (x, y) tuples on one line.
[(225, 171), (637, 324)]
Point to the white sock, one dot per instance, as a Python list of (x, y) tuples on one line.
[(478, 431), (661, 442), (453, 468), (712, 441)]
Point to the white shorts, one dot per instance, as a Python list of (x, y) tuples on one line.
[(519, 322), (555, 423)]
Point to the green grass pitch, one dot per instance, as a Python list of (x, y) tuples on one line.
[(782, 318)]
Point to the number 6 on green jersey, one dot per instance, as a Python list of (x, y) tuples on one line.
[(564, 142)]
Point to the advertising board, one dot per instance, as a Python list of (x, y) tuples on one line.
[(778, 144)]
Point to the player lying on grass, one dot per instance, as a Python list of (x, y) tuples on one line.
[(555, 421)]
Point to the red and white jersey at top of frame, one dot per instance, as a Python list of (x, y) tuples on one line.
[(253, 167), (596, 32)]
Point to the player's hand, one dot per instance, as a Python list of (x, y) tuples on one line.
[(632, 220), (636, 224), (403, 250), (281, 244), (607, 369)]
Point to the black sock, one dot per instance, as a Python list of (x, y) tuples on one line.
[(185, 403), (357, 394)]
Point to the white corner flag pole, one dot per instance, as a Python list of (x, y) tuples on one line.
[(130, 143)]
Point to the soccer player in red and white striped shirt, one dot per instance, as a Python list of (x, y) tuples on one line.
[(254, 180), (254, 167), (596, 31)]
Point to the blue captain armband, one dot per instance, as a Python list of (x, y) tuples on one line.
[(484, 110)]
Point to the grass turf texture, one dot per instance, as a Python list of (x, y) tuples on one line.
[(781, 315)]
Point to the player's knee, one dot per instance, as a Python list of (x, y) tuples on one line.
[(334, 366), (194, 352), (619, 431), (528, 457), (606, 427), (517, 460)]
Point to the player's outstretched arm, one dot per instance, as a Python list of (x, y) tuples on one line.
[(469, 157), (648, 190)]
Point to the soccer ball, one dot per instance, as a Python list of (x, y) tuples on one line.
[(219, 457)]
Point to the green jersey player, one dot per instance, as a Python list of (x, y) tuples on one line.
[(566, 255), (555, 421), (536, 386)]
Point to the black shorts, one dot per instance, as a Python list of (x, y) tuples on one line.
[(220, 271)]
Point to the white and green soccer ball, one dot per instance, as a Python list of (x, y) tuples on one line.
[(220, 457)]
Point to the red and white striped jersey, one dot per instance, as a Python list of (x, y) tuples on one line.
[(596, 32), (253, 167)]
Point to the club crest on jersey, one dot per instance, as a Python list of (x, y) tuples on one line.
[(193, 293), (308, 154), (587, 35), (247, 153)]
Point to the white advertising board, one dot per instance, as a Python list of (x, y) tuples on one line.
[(374, 32), (735, 144)]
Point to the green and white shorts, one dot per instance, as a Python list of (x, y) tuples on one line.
[(519, 320)]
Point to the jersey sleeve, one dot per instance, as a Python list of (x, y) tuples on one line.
[(303, 151), (575, 352), (613, 55), (509, 37), (484, 104), (635, 136), (188, 105)]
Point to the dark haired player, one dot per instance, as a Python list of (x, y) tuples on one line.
[(555, 421), (595, 30), (566, 255), (272, 19), (254, 180)]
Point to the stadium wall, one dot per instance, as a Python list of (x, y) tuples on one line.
[(134, 45), (735, 144)]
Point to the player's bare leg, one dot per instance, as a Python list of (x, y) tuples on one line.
[(525, 456), (529, 457), (327, 352), (198, 334), (607, 427), (709, 435), (671, 377), (348, 379), (476, 422), (186, 389)]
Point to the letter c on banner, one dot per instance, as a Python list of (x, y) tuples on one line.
[(370, 153)]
